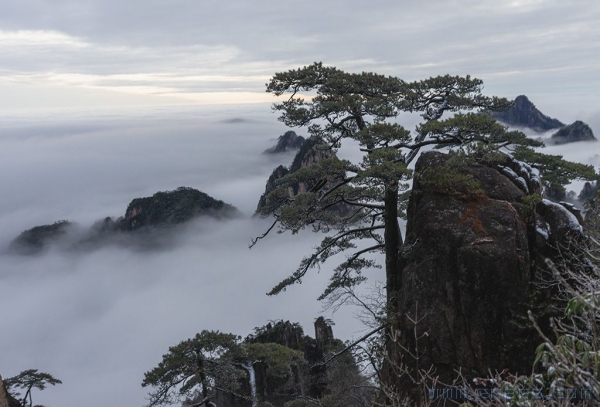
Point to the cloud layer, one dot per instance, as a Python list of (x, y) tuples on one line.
[(99, 320), (207, 52)]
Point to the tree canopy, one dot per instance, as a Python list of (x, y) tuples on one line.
[(364, 109), (28, 380), (196, 368)]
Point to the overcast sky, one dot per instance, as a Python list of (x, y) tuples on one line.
[(114, 52)]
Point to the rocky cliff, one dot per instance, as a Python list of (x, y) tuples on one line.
[(312, 152), (577, 131), (271, 186), (6, 400), (286, 142), (312, 380), (3, 395), (471, 263), (525, 114)]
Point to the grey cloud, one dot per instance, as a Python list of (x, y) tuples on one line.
[(533, 43)]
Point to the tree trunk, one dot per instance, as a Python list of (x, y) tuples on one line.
[(203, 381), (393, 242), (393, 273)]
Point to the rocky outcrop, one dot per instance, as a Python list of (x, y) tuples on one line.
[(578, 131), (311, 379), (312, 152), (323, 336), (271, 186), (469, 265), (162, 211), (588, 191), (6, 400), (286, 142), (525, 114), (3, 395)]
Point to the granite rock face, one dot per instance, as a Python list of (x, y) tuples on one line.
[(469, 266), (286, 142), (577, 131), (525, 114), (277, 174)]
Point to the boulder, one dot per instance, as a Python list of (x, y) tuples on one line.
[(525, 114), (3, 395), (577, 131)]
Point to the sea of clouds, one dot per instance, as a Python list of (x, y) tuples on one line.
[(98, 320)]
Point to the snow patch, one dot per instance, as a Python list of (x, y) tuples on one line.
[(573, 222), (543, 230), (519, 181)]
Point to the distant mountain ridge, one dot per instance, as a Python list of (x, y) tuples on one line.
[(162, 210), (577, 131), (525, 114)]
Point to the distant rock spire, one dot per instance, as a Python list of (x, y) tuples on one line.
[(286, 142), (577, 131), (525, 114)]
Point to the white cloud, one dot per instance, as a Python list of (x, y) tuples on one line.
[(38, 38)]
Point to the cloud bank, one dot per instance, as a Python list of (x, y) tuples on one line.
[(98, 320)]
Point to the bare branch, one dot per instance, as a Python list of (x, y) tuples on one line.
[(347, 348), (255, 240)]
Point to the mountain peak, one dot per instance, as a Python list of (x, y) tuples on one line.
[(286, 142), (525, 114), (577, 131)]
